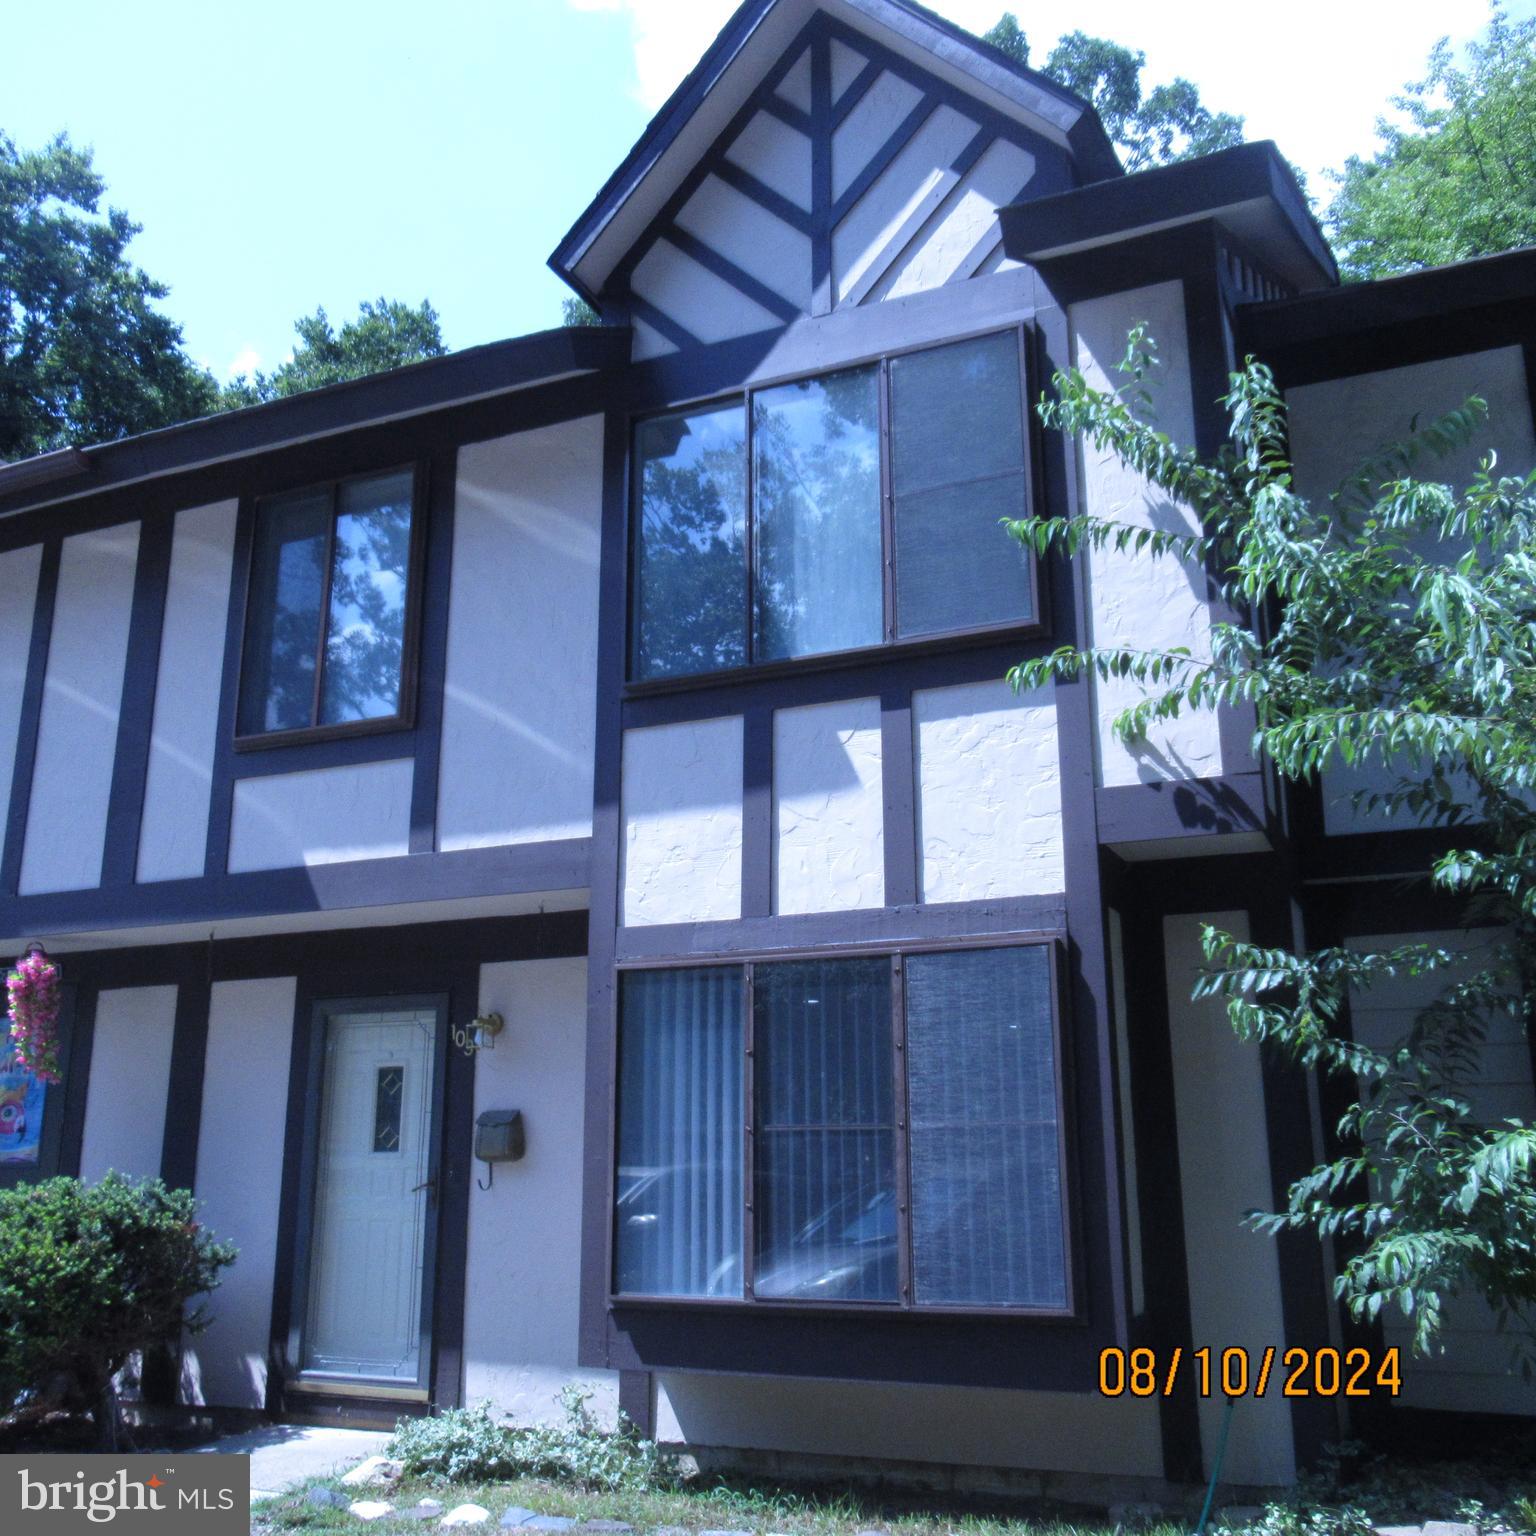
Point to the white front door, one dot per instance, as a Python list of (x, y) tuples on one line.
[(371, 1204)]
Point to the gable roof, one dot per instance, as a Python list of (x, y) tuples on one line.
[(754, 39)]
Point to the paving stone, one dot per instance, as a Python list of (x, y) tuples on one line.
[(371, 1509), (376, 1471), (670, 1530), (725, 1533), (1396, 1530), (1448, 1528), (516, 1516), (466, 1514), (547, 1523), (619, 1527), (428, 1509), (327, 1498)]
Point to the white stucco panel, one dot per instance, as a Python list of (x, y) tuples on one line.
[(1234, 1275), (18, 580), (744, 232), (321, 816), (708, 307), (520, 700), (989, 793), (522, 1283), (968, 1426), (1135, 600), (82, 698), (1338, 424), (174, 833), (828, 804), (130, 1077), (682, 822), (239, 1182)]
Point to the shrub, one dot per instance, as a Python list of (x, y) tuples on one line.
[(468, 1445), (91, 1273)]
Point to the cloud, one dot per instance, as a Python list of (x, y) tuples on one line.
[(668, 36), (247, 360)]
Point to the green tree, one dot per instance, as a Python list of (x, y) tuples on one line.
[(386, 334), (1403, 636), (1456, 176), (576, 311), (1148, 128), (84, 354)]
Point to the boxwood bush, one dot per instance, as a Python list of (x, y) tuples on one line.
[(90, 1273)]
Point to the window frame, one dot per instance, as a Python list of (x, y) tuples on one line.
[(404, 717), (890, 642), (904, 1305)]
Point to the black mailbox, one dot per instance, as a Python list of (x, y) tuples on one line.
[(499, 1136)]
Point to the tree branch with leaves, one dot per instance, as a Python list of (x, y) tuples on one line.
[(1399, 634)]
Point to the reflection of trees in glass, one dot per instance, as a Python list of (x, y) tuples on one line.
[(816, 467), (366, 630), (364, 626), (690, 572)]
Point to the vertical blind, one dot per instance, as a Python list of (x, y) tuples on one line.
[(982, 1140), (680, 1194)]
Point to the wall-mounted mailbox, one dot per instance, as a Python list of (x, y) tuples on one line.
[(499, 1136)]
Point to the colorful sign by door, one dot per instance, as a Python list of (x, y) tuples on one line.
[(21, 1111)]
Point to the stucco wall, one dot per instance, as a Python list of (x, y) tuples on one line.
[(322, 816), (682, 822), (1479, 1370), (1134, 600), (1234, 1280), (989, 793), (969, 1426), (82, 695), (18, 580), (522, 1281), (125, 1102), (1339, 423), (519, 708), (828, 804), (239, 1181), (174, 834)]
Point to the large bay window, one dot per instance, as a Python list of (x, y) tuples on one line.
[(865, 1129), (835, 513)]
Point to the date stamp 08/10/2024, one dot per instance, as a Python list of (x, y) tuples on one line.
[(1235, 1372)]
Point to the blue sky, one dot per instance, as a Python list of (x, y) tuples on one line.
[(285, 155)]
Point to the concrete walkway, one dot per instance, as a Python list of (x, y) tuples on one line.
[(284, 1454)]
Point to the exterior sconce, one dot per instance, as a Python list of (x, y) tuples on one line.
[(480, 1034)]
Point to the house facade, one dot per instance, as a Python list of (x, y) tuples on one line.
[(640, 689)]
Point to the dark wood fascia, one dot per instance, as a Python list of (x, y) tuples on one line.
[(516, 869), (495, 374)]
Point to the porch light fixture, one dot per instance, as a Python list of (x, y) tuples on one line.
[(479, 1034)]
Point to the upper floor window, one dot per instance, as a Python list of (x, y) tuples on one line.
[(327, 619), (835, 513)]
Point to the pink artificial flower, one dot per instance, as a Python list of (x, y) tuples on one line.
[(32, 990)]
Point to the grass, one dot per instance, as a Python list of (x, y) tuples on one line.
[(717, 1506)]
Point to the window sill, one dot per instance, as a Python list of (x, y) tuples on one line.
[(786, 1308), (310, 734), (827, 661)]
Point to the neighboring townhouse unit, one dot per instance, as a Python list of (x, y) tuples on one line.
[(643, 684)]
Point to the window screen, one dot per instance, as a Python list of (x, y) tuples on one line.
[(957, 469), (680, 1193), (984, 1138)]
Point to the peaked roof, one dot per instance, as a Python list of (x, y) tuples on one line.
[(752, 40)]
